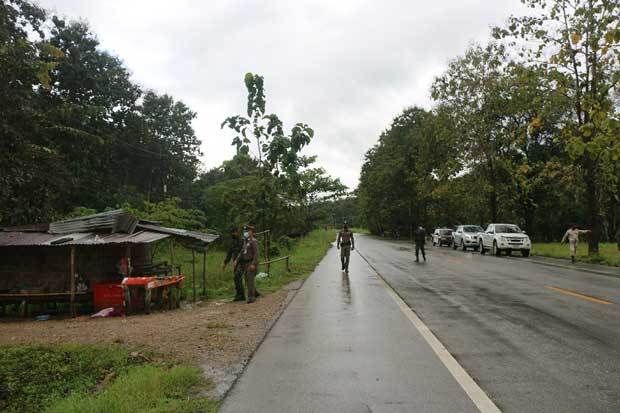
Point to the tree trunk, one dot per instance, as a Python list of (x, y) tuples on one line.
[(593, 208), (493, 201)]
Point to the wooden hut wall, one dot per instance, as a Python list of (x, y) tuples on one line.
[(46, 269)]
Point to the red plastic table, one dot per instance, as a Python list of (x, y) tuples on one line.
[(154, 288)]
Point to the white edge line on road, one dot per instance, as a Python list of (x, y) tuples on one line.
[(475, 393)]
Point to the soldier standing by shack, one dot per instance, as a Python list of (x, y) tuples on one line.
[(345, 243), (234, 249), (572, 236), (248, 261), (420, 240)]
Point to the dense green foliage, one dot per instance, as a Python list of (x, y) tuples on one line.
[(525, 129), (75, 130)]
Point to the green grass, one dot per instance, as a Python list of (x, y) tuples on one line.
[(144, 389), (63, 378), (608, 252), (305, 254)]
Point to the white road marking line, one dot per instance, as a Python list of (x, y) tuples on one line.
[(467, 383)]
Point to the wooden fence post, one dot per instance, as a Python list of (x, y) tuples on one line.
[(204, 273), (172, 255), (72, 280), (194, 275)]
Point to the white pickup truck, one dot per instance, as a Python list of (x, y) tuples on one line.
[(504, 237)]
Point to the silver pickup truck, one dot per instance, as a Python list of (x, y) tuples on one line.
[(466, 236)]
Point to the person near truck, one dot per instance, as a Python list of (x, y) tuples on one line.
[(345, 243), (572, 236)]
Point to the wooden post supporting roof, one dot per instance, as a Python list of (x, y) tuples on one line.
[(194, 275), (172, 255), (204, 273), (72, 280)]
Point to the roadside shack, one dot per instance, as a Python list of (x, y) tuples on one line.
[(103, 259)]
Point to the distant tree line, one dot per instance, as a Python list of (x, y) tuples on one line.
[(525, 129), (78, 136)]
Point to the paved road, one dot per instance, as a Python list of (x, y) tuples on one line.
[(536, 338), (344, 345)]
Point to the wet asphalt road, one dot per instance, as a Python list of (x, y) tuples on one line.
[(344, 345), (515, 326), (530, 335)]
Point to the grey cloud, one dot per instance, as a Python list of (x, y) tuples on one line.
[(345, 67)]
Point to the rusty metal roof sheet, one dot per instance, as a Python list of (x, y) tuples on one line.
[(17, 239), (113, 221), (183, 233)]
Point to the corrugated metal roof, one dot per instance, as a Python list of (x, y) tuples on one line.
[(194, 235), (17, 239), (114, 221)]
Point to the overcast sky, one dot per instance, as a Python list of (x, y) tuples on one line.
[(344, 67)]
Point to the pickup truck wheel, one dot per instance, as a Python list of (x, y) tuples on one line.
[(463, 247), (481, 247), (496, 251), (525, 253)]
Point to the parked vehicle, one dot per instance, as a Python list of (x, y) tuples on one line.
[(442, 236), (504, 237), (466, 236)]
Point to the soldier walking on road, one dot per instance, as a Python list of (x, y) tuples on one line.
[(345, 243), (420, 240), (234, 249), (248, 260), (572, 235)]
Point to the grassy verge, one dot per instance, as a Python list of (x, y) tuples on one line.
[(144, 389), (608, 253), (305, 254), (64, 378)]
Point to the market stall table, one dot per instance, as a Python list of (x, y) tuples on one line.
[(149, 288)]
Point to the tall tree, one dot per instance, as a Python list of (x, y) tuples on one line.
[(471, 90), (579, 47), (32, 174), (284, 177)]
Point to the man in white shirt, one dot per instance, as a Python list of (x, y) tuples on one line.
[(572, 236)]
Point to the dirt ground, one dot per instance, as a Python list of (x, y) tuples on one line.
[(215, 335)]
